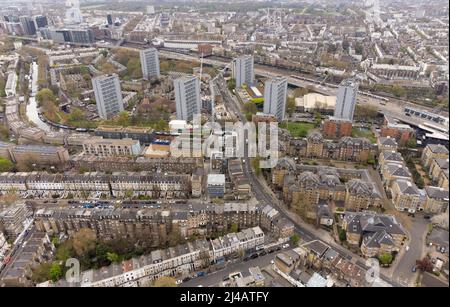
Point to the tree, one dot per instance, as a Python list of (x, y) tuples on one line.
[(165, 281), (84, 241), (123, 119), (5, 165), (234, 228), (128, 194), (342, 235), (256, 165), (45, 95), (290, 105), (55, 272), (295, 239), (76, 115), (386, 258), (232, 84), (411, 143), (300, 92), (113, 257), (250, 107), (371, 160), (10, 197), (424, 265), (41, 273), (366, 112)]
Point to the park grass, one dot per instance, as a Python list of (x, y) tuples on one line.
[(298, 129)]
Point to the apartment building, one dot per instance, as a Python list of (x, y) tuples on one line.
[(216, 185), (41, 155), (402, 133), (433, 151), (179, 165), (437, 167), (392, 171), (373, 233), (346, 99), (243, 70), (304, 187), (143, 135), (187, 97), (361, 195), (108, 95), (406, 196), (387, 143), (111, 147), (13, 220), (150, 63), (436, 201), (344, 149), (275, 91)]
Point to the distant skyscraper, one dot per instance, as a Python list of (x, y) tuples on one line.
[(275, 91), (73, 13), (346, 99), (108, 95), (243, 70), (28, 25), (187, 97), (150, 63), (109, 18), (41, 21)]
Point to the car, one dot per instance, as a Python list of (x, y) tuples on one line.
[(414, 269), (254, 256), (407, 248), (226, 277), (285, 245), (263, 253), (271, 251), (427, 217), (179, 282), (272, 262), (246, 259)]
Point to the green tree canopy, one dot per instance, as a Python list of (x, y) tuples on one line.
[(5, 165), (55, 272), (385, 258), (295, 239), (45, 95)]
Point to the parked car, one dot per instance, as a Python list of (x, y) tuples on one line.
[(414, 269)]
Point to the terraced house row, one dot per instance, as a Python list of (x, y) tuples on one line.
[(95, 184), (160, 225)]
